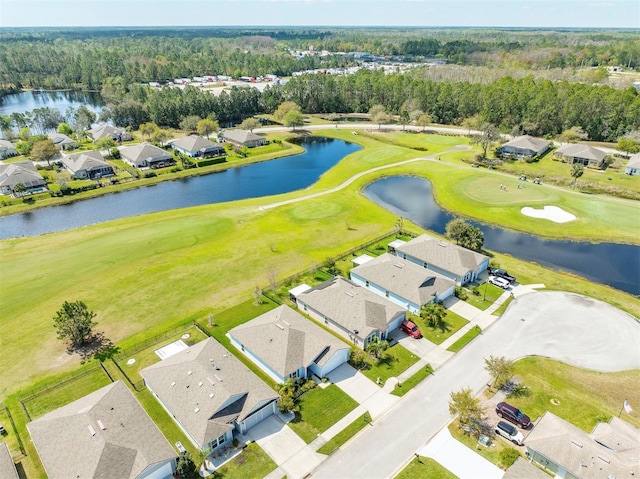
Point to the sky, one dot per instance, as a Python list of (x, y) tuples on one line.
[(474, 13)]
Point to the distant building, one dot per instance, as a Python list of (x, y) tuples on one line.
[(103, 131), (7, 149), (197, 147), (89, 165), (633, 165), (243, 138), (104, 434), (62, 141), (7, 466), (524, 147), (581, 154)]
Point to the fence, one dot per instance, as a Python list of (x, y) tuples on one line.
[(5, 409), (124, 354)]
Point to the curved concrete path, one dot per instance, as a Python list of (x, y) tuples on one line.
[(568, 327)]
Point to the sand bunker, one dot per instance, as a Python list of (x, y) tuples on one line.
[(553, 213)]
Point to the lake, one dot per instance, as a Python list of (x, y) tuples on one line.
[(616, 265), (60, 100), (268, 178)]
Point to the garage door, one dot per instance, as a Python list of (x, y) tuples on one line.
[(161, 473), (259, 416)]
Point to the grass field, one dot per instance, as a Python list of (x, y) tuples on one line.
[(394, 361), (465, 339), (425, 468), (346, 434), (253, 463), (436, 335), (152, 272), (488, 294), (321, 408)]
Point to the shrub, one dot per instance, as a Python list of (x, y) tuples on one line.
[(211, 161), (508, 456), (460, 293), (150, 174), (475, 290)]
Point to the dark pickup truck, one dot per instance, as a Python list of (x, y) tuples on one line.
[(501, 273)]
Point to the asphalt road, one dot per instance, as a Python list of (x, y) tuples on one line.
[(577, 330)]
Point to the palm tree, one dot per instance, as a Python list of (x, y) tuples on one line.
[(577, 170)]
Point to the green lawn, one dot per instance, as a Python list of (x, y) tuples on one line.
[(187, 263), (253, 463), (410, 383), (491, 453), (346, 434), (437, 335), (464, 340), (394, 362), (64, 393), (10, 436), (319, 410), (425, 468), (488, 295), (585, 397), (501, 309)]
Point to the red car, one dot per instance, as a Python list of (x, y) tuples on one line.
[(411, 329)]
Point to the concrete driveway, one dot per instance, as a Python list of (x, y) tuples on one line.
[(568, 327), (458, 458)]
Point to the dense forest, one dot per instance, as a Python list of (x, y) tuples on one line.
[(86, 58)]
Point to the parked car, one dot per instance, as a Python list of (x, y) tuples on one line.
[(501, 273), (509, 432), (499, 282), (411, 329), (513, 414)]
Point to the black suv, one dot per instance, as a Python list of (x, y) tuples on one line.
[(501, 273), (513, 414)]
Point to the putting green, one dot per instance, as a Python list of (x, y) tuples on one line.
[(312, 211), (486, 189), (383, 155)]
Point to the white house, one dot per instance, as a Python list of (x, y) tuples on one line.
[(633, 165), (7, 149), (455, 262), (88, 165), (210, 394), (107, 131), (285, 344), (104, 434), (582, 154), (402, 282), (24, 173), (354, 312), (62, 141), (243, 138)]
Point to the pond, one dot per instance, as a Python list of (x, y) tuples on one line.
[(268, 178), (59, 100), (613, 264)]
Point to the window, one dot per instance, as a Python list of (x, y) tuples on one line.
[(221, 440)]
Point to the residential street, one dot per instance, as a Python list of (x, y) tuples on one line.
[(574, 329)]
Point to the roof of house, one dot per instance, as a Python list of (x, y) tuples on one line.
[(527, 142), (287, 341), (634, 161), (353, 307), (443, 255), (206, 388), (581, 151), (610, 451), (84, 161), (6, 145), (60, 139), (241, 136), (523, 469), (104, 434), (195, 143), (143, 151), (100, 131), (406, 279), (23, 172), (7, 466)]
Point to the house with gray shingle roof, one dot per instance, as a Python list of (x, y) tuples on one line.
[(102, 435), (351, 310), (7, 466), (582, 154), (243, 138), (197, 147), (210, 394), (115, 133), (633, 165), (62, 141), (455, 262), (22, 172), (7, 149), (611, 450), (524, 147), (145, 155), (402, 282), (285, 344), (88, 165), (523, 469)]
